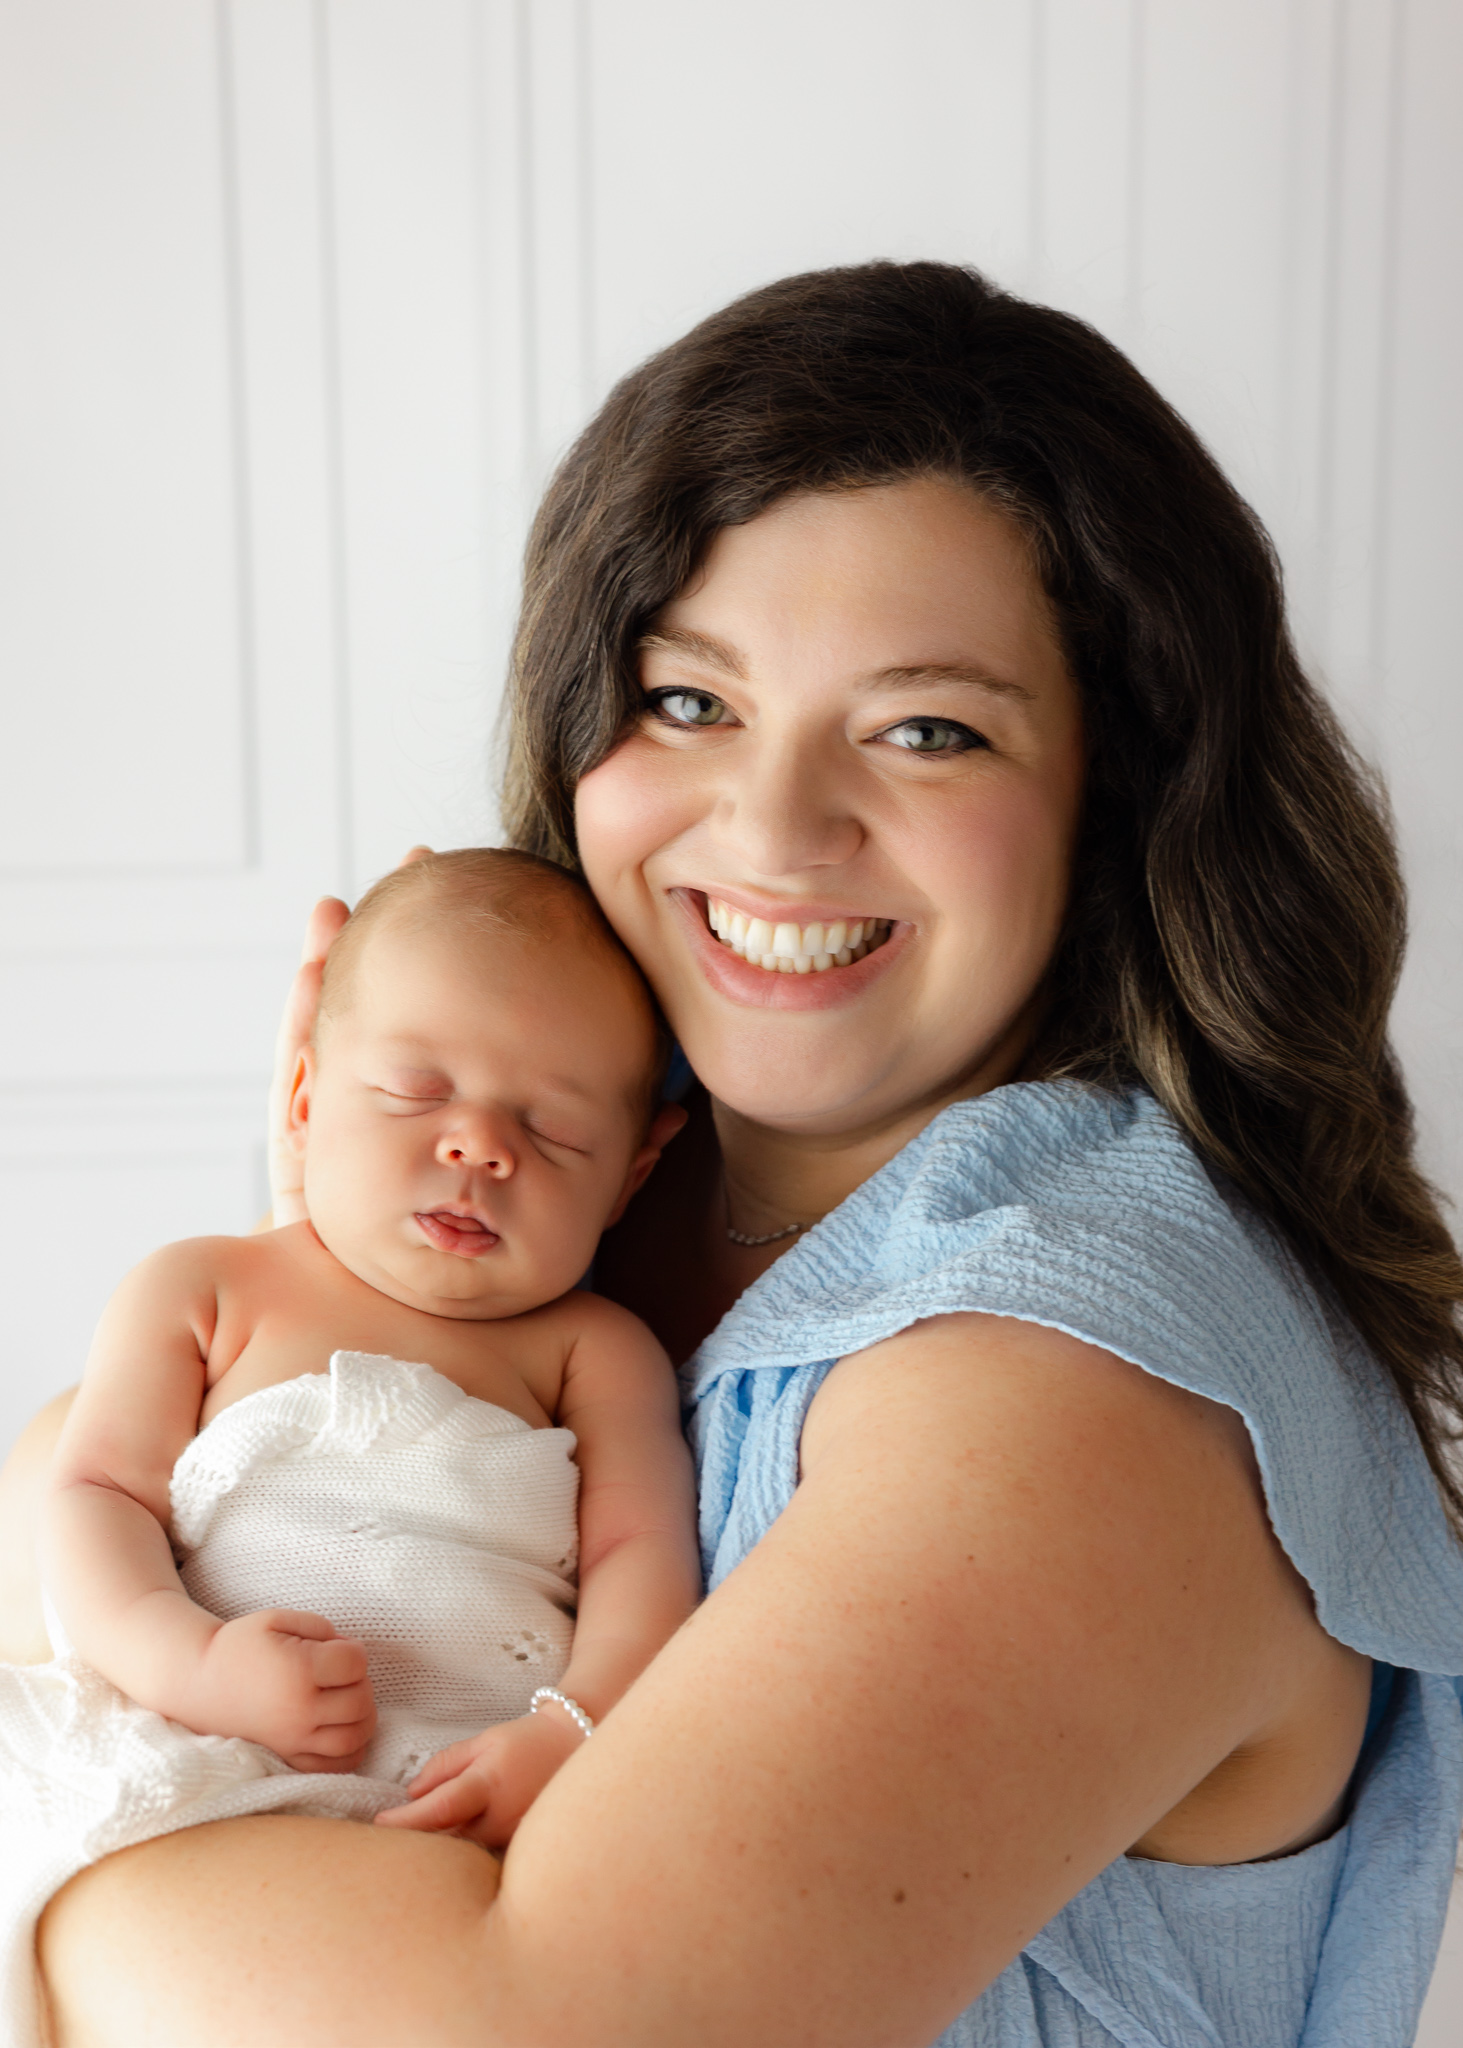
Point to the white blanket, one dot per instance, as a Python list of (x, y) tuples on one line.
[(438, 1529)]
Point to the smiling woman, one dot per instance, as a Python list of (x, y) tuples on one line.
[(1069, 1341), (892, 721)]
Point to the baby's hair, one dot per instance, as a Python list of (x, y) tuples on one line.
[(486, 890)]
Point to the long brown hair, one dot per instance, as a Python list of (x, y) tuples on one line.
[(1237, 921)]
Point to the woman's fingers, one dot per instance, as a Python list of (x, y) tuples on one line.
[(322, 928), (286, 1164)]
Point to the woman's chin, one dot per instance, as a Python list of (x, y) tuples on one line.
[(807, 1096)]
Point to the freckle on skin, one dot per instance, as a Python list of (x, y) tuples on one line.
[(899, 1898)]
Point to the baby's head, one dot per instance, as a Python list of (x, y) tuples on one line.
[(477, 1102)]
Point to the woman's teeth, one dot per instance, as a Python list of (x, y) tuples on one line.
[(796, 948)]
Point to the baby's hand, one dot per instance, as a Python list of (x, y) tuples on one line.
[(481, 1789), (286, 1680)]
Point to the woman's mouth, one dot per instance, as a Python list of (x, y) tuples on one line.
[(456, 1230), (794, 948)]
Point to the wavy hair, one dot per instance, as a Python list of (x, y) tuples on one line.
[(1237, 919)]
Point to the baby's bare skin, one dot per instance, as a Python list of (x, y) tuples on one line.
[(285, 1303), (469, 1122)]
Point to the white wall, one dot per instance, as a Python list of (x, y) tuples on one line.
[(301, 301)]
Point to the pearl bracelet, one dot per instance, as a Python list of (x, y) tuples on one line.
[(572, 1708)]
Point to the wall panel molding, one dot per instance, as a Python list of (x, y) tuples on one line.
[(124, 555)]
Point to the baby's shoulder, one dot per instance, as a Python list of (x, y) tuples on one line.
[(596, 1314), (190, 1263), (582, 1325)]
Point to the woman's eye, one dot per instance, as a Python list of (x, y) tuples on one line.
[(932, 736), (688, 707)]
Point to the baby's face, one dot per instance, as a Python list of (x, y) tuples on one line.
[(475, 1115)]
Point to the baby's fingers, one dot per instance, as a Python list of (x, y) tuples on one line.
[(447, 1763), (336, 1705), (340, 1662), (453, 1805)]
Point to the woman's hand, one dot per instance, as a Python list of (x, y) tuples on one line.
[(286, 1162), (481, 1789)]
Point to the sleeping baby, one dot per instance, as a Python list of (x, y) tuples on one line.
[(353, 1591)]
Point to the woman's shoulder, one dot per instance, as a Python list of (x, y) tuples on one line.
[(1089, 1211), (1047, 1200)]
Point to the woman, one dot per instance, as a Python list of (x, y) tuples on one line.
[(1077, 1664)]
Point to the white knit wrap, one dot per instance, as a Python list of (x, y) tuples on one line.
[(437, 1528)]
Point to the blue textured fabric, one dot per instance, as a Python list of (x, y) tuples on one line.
[(1090, 1213)]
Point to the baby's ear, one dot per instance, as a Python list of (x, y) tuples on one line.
[(297, 1115), (664, 1125)]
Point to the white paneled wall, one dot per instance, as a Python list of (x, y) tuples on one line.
[(303, 299), (304, 296)]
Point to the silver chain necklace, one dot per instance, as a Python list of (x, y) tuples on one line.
[(772, 1237), (744, 1237)]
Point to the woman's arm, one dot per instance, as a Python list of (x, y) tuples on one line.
[(1024, 1599), (23, 1482)]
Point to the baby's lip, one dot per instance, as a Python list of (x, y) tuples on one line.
[(453, 1229)]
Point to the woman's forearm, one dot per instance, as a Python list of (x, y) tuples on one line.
[(833, 1808), (295, 1932)]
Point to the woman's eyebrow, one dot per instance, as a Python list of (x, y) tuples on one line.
[(717, 654), (926, 673)]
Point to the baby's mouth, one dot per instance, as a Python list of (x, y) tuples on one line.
[(794, 948), (456, 1230)]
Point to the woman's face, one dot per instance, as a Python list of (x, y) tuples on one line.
[(857, 715)]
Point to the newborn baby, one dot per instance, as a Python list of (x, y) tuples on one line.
[(377, 1563)]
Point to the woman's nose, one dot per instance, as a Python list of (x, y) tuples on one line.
[(479, 1143), (784, 808)]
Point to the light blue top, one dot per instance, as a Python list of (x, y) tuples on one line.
[(1062, 1205)]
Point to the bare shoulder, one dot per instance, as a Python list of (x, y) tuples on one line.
[(1049, 1388), (1082, 1471), (590, 1322), (191, 1258), (188, 1267), (1073, 1449)]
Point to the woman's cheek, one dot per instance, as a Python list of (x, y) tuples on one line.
[(624, 812)]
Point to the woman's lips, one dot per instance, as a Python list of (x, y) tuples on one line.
[(451, 1230), (755, 987)]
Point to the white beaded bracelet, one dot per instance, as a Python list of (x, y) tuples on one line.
[(572, 1708)]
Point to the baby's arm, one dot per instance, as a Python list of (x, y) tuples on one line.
[(279, 1678), (639, 1578)]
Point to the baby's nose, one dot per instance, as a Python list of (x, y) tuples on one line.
[(480, 1144)]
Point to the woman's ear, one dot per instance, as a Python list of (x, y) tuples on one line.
[(663, 1127), (297, 1112)]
